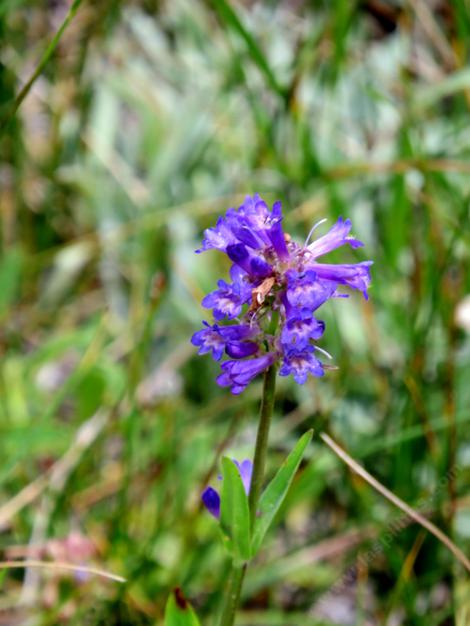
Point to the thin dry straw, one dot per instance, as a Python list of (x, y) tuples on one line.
[(358, 469), (63, 566)]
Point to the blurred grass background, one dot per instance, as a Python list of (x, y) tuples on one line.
[(150, 119)]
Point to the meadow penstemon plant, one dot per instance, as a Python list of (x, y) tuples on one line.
[(266, 321)]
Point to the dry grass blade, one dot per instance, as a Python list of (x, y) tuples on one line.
[(417, 517), (58, 473), (62, 566)]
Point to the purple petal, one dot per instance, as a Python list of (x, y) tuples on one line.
[(355, 275), (246, 470), (218, 237), (306, 290), (241, 349), (255, 213), (239, 332), (300, 329), (211, 501), (241, 284), (225, 302), (253, 265), (209, 339), (275, 232), (337, 236), (238, 374), (246, 236), (300, 364), (259, 268)]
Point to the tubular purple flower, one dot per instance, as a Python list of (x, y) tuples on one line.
[(356, 275), (237, 338), (231, 339), (246, 471), (239, 332), (271, 276), (300, 364), (217, 238), (211, 500), (300, 329), (253, 265), (226, 301), (337, 236), (209, 339), (276, 234), (239, 374), (306, 290), (241, 349)]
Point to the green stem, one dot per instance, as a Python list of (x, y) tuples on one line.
[(261, 449), (232, 597), (237, 572)]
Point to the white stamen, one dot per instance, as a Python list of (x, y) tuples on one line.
[(313, 229), (327, 354)]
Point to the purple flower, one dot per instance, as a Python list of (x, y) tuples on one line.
[(275, 232), (210, 497), (217, 238), (253, 265), (238, 374), (211, 500), (306, 290), (272, 274), (209, 339), (241, 349), (337, 236), (225, 301), (356, 275), (234, 340), (299, 329), (246, 470), (300, 363)]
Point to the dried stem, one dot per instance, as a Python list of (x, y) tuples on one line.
[(417, 517)]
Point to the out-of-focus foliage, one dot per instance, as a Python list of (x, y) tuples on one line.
[(149, 120)]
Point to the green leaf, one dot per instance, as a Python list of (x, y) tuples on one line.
[(274, 494), (234, 512), (179, 612)]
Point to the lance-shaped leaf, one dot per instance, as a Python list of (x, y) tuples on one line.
[(234, 512), (178, 611), (274, 494)]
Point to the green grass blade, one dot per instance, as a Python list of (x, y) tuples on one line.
[(230, 17), (42, 64)]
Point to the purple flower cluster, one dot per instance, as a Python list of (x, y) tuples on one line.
[(275, 290), (210, 497)]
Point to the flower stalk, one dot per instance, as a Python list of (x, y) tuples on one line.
[(261, 449), (237, 573)]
